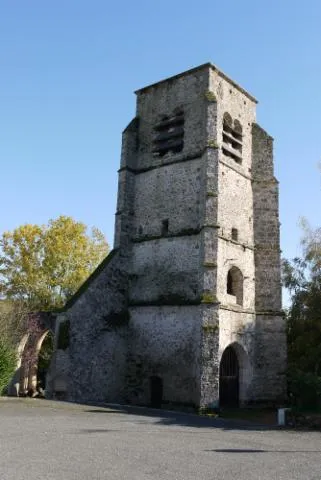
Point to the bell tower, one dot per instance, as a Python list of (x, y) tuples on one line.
[(198, 211), (187, 307)]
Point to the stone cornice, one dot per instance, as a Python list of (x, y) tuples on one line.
[(240, 309), (176, 159), (226, 164), (229, 240), (183, 233), (204, 66)]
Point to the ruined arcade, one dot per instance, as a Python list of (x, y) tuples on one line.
[(187, 307)]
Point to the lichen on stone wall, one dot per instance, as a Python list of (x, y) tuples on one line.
[(210, 96), (212, 144), (210, 328), (208, 297), (210, 264), (211, 194)]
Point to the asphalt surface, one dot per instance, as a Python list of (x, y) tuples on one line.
[(47, 440)]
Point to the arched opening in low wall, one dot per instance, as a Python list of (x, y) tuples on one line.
[(39, 362), (35, 362), (44, 358)]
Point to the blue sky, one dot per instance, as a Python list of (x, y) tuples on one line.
[(68, 70)]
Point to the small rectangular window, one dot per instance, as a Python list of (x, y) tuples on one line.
[(235, 234), (165, 225)]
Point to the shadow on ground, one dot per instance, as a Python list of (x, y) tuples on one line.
[(253, 450), (168, 418)]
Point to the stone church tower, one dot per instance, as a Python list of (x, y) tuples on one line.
[(187, 307)]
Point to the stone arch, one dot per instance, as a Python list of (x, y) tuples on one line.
[(229, 378), (14, 386), (23, 382), (244, 371), (30, 362), (238, 128), (40, 325), (227, 120), (42, 368), (234, 284)]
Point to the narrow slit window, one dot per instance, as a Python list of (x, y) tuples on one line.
[(165, 225), (235, 234)]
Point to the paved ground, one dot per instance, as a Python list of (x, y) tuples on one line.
[(58, 441)]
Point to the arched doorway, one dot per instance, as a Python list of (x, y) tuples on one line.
[(156, 392), (37, 358), (229, 378), (44, 358)]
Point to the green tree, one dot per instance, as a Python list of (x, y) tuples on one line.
[(12, 326), (13, 321), (8, 362), (42, 266), (302, 277)]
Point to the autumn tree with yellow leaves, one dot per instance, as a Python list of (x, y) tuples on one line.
[(43, 265)]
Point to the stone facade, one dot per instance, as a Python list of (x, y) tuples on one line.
[(195, 270)]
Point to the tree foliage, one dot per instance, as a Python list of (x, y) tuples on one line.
[(43, 265), (8, 362), (13, 323), (302, 277)]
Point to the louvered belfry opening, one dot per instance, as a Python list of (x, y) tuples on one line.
[(229, 379), (232, 138), (169, 134)]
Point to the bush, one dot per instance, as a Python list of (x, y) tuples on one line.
[(304, 390), (8, 362)]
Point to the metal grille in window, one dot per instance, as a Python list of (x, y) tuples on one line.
[(232, 138), (169, 134)]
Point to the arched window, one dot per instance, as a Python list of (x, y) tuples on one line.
[(237, 133), (227, 122), (234, 284)]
